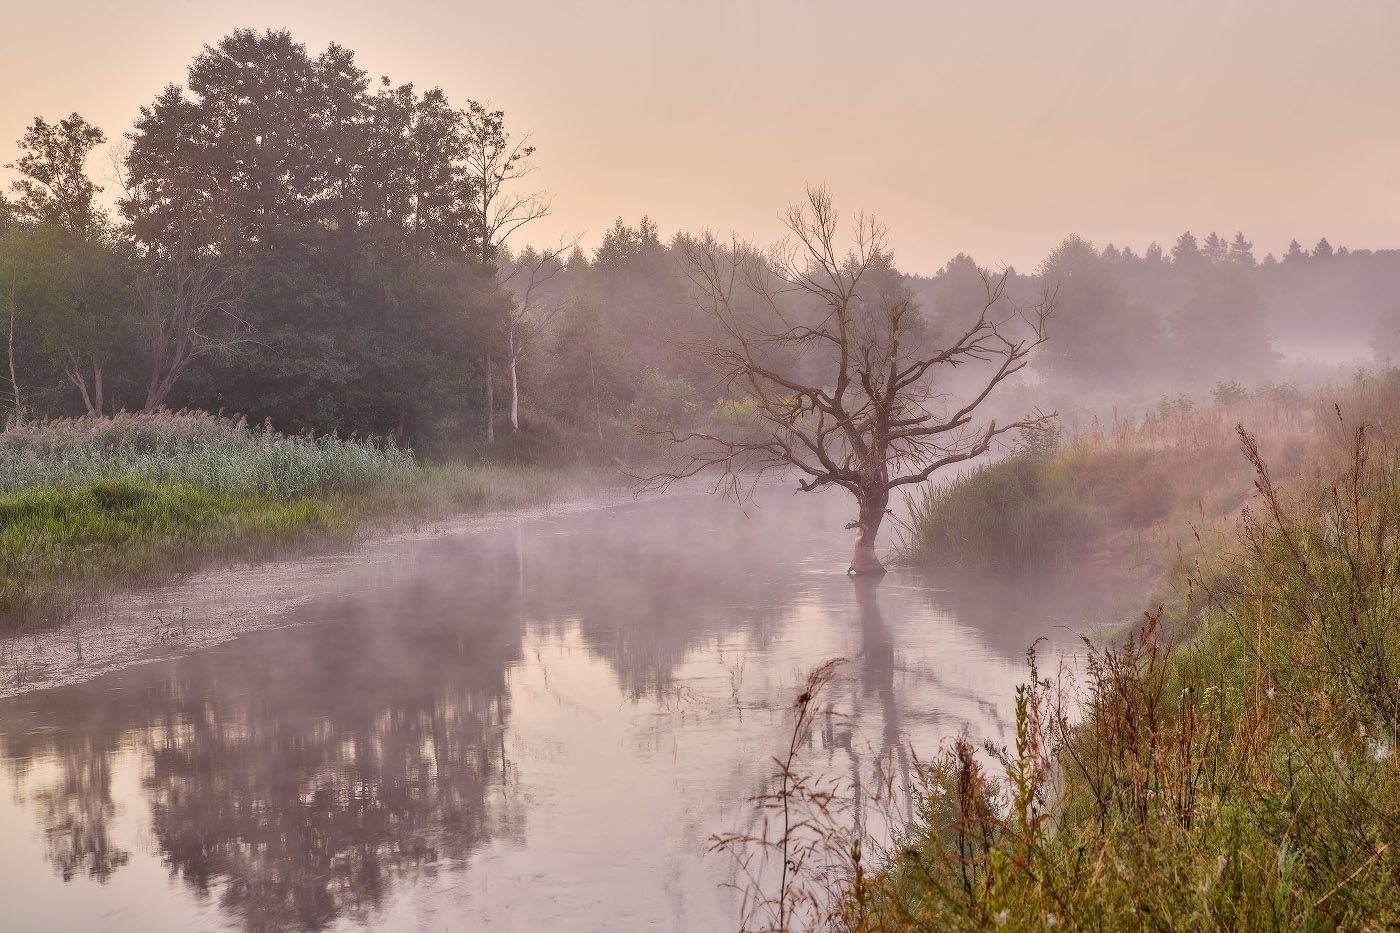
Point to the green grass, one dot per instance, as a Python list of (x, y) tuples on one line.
[(1009, 514), (92, 505)]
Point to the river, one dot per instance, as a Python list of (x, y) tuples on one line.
[(532, 722)]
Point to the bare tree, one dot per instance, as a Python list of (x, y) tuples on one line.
[(823, 358), (14, 381), (191, 296), (535, 307), (492, 163)]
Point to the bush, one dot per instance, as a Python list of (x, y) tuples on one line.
[(1012, 513), (1051, 502)]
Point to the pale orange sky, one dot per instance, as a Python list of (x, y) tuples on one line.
[(991, 128)]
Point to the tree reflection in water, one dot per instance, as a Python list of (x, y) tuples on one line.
[(293, 775), (75, 811), (307, 796), (297, 777)]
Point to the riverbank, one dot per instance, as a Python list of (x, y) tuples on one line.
[(91, 507), (1056, 501), (1231, 764)]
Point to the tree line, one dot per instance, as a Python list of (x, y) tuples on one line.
[(295, 241)]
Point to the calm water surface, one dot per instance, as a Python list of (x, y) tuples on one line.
[(534, 725)]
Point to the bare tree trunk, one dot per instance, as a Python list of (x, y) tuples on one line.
[(490, 402), (156, 391), (597, 407), (872, 513), (191, 299), (72, 368), (97, 388), (154, 397), (14, 382), (514, 356)]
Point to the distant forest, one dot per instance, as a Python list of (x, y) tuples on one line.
[(306, 246)]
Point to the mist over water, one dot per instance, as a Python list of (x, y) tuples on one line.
[(272, 295), (538, 724)]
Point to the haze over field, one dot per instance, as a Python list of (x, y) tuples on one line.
[(990, 129)]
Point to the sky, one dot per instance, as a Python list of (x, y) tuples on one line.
[(990, 128)]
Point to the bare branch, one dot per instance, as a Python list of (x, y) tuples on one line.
[(813, 341)]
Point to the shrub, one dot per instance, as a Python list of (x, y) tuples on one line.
[(1011, 513)]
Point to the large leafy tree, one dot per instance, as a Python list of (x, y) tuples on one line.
[(66, 253), (346, 215), (1102, 336)]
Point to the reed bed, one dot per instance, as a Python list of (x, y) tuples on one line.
[(219, 456), (1083, 487)]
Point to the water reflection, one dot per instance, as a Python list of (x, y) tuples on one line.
[(877, 659), (1004, 607), (300, 798), (74, 810), (647, 583), (292, 775), (551, 716)]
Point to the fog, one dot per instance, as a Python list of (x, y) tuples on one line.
[(435, 440)]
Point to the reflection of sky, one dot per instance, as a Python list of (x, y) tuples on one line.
[(579, 702)]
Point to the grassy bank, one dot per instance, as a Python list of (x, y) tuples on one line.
[(1054, 501), (1230, 765), (1245, 778), (93, 504)]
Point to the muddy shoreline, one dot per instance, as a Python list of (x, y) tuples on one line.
[(217, 604)]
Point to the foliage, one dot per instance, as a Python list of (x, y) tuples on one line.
[(297, 241), (54, 188), (1180, 406), (57, 540), (1229, 393), (86, 501), (664, 403), (1006, 515), (348, 212), (1101, 335), (1221, 326)]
